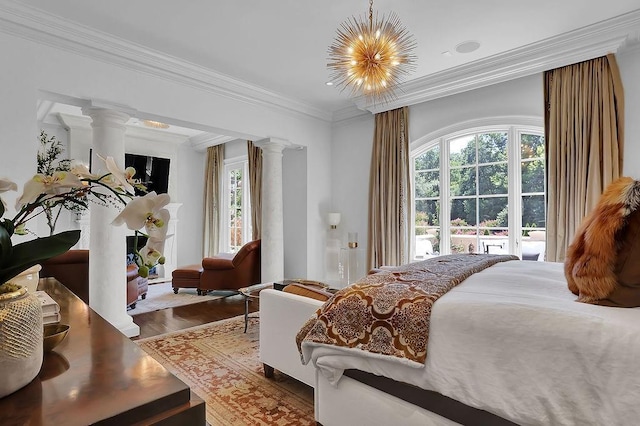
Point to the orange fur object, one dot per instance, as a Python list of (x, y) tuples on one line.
[(591, 257)]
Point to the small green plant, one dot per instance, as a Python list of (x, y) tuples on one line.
[(49, 162)]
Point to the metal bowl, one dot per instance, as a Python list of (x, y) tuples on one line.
[(53, 335)]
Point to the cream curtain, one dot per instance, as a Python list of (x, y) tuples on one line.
[(389, 190), (213, 199), (255, 189), (584, 110)]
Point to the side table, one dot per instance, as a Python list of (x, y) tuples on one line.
[(251, 292)]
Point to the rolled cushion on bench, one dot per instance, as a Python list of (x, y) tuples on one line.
[(313, 292)]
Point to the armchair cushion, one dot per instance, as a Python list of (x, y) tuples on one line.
[(229, 271)]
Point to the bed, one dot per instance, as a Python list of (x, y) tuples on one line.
[(510, 343)]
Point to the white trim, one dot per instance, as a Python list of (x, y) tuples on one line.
[(584, 43), (565, 49), (240, 159), (205, 140), (36, 25), (470, 126)]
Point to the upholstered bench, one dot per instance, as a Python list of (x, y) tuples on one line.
[(186, 277), (282, 314)]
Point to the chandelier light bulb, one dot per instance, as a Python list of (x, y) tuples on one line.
[(378, 52)]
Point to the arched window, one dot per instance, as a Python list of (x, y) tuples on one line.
[(483, 188)]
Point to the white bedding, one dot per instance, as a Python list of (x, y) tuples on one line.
[(512, 340)]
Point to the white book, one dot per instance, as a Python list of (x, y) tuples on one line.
[(50, 318), (49, 306)]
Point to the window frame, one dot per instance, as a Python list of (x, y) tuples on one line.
[(514, 127), (230, 164)]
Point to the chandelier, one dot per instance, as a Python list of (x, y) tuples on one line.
[(372, 57)]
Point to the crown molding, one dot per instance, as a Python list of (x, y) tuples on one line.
[(347, 114), (34, 24), (565, 49), (205, 140)]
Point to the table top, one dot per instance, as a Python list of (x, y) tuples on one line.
[(95, 375)]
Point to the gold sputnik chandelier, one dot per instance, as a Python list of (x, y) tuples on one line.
[(372, 57)]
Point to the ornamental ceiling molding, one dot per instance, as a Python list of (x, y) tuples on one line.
[(565, 49), (33, 24), (588, 42)]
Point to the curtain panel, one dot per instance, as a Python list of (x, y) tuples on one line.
[(389, 190), (255, 189), (584, 111), (212, 199)]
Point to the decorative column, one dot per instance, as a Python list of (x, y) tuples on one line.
[(107, 247), (272, 245)]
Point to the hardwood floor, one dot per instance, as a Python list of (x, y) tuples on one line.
[(181, 317)]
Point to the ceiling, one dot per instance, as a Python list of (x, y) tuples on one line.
[(281, 45)]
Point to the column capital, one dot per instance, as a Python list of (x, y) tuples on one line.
[(104, 117), (273, 144)]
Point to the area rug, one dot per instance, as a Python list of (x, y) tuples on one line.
[(220, 364), (161, 296)]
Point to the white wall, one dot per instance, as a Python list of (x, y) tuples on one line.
[(76, 76), (190, 179), (629, 63)]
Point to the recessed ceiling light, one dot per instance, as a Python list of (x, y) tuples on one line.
[(155, 124), (329, 83), (446, 53), (467, 46)]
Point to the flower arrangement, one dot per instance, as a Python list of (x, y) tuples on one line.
[(79, 186)]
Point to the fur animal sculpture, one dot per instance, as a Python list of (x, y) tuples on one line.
[(591, 257)]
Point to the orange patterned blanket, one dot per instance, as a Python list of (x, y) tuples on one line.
[(388, 313)]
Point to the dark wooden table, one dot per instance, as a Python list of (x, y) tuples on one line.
[(98, 376)]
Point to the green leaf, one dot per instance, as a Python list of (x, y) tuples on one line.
[(25, 255)]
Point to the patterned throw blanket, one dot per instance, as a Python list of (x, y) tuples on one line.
[(388, 313)]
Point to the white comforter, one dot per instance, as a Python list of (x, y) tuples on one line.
[(512, 340)]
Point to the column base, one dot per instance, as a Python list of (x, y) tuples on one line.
[(129, 330)]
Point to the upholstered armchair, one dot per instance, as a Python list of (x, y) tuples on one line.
[(231, 271), (72, 269)]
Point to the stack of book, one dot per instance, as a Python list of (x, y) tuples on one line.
[(50, 309)]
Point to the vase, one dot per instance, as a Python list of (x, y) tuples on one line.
[(20, 339), (28, 278)]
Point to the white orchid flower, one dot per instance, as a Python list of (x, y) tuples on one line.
[(82, 171), (58, 183), (145, 212), (6, 185), (150, 256), (121, 178)]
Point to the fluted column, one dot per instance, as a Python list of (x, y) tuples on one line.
[(272, 246), (107, 248)]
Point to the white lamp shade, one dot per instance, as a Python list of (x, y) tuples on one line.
[(333, 218)]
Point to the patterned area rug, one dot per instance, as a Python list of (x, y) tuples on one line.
[(220, 363), (161, 296)]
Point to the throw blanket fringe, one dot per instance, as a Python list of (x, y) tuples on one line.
[(388, 313)]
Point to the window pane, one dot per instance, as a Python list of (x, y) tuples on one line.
[(531, 146), (427, 184), (462, 151), (533, 211), (494, 212), (427, 213), (464, 241), (463, 212), (493, 179), (428, 160), (533, 176), (492, 147), (463, 181)]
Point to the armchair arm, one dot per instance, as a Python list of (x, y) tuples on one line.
[(218, 262)]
